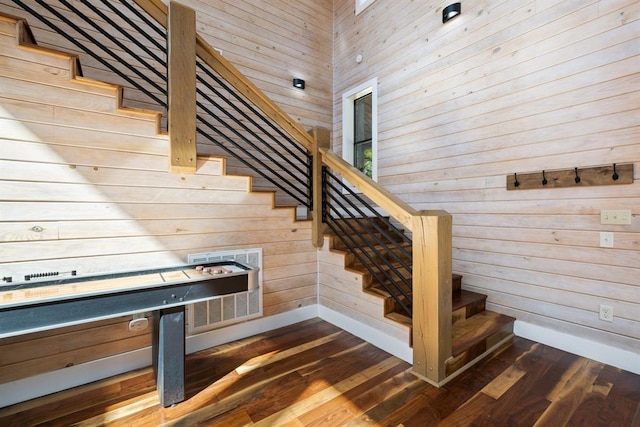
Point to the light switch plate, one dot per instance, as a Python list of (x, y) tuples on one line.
[(622, 216)]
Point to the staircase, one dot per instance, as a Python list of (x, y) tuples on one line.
[(476, 331)]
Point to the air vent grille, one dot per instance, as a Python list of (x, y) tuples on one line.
[(228, 309)]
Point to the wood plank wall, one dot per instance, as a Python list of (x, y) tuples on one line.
[(84, 186), (269, 41), (511, 86)]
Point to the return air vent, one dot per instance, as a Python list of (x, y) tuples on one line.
[(228, 309)]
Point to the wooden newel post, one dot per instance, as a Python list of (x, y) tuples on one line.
[(182, 88), (321, 139), (432, 253)]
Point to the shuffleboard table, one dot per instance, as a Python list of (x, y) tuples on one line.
[(33, 306)]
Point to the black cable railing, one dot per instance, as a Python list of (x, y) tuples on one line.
[(244, 132), (147, 76), (125, 40), (380, 246)]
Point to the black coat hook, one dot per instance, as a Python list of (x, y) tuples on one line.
[(544, 179), (615, 174), (515, 180), (577, 178)]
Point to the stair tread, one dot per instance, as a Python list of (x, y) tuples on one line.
[(477, 328), (400, 318)]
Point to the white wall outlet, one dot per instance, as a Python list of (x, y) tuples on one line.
[(606, 313), (622, 216), (606, 239)]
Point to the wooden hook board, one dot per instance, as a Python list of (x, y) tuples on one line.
[(599, 175)]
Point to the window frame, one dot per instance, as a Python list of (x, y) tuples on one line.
[(348, 122), (362, 5)]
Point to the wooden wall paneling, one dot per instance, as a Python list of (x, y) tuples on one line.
[(41, 352), (508, 87), (626, 310), (104, 201)]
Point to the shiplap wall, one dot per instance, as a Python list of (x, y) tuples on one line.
[(270, 42), (511, 86), (84, 186)]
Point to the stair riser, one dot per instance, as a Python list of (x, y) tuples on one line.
[(353, 262), (489, 343), (337, 243), (468, 310)]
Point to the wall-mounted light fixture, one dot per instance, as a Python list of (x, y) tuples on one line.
[(299, 83), (451, 12)]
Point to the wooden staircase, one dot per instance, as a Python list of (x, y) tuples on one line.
[(476, 331)]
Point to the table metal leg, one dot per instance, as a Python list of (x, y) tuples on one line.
[(168, 354)]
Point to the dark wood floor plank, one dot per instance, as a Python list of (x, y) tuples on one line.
[(314, 374), (332, 371), (361, 398), (570, 392), (612, 400), (527, 400), (294, 411)]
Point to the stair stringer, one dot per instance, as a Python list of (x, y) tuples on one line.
[(341, 289)]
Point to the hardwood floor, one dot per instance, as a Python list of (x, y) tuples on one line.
[(314, 374)]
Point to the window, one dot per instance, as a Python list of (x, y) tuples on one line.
[(360, 127), (362, 150), (362, 5)]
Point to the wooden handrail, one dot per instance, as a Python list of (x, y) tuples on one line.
[(431, 269), (159, 11), (391, 204)]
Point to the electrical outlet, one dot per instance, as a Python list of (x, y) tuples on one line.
[(606, 239), (615, 216), (606, 313)]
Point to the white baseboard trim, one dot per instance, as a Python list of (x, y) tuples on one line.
[(247, 329), (619, 358), (385, 342), (51, 382)]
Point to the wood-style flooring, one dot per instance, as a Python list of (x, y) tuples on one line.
[(315, 374)]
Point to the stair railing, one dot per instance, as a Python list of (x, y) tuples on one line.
[(238, 118), (144, 69), (430, 267), (232, 116)]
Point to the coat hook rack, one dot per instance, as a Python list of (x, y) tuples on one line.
[(615, 174)]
